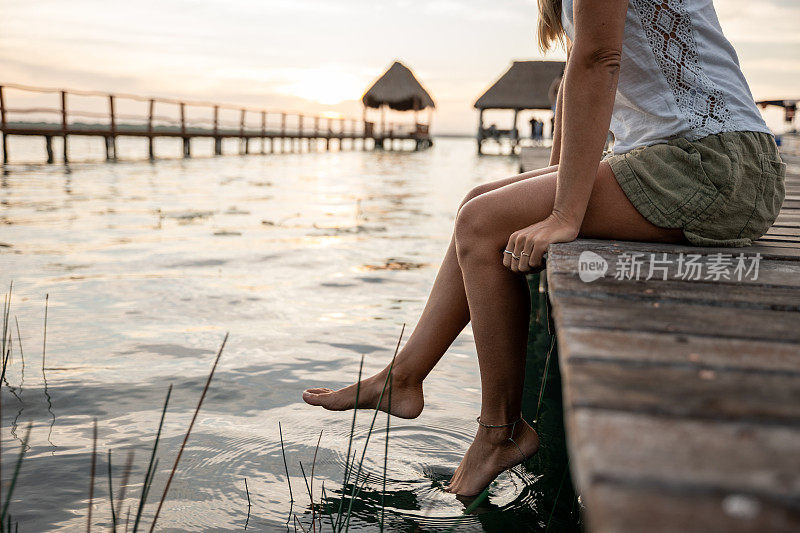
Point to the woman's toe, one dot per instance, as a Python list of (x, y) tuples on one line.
[(315, 396), (318, 390)]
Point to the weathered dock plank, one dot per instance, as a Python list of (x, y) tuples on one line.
[(533, 157), (681, 393)]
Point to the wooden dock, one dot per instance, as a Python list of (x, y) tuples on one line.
[(682, 396), (277, 130)]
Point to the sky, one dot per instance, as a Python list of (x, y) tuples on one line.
[(319, 56)]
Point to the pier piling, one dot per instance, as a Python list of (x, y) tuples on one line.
[(64, 125), (111, 141), (294, 132), (150, 137), (48, 146), (3, 125)]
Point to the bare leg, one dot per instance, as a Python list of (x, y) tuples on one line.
[(446, 313), (499, 306)]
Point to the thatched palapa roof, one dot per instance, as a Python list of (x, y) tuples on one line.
[(523, 86), (398, 89)]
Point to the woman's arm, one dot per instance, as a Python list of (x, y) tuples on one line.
[(589, 88), (555, 151)]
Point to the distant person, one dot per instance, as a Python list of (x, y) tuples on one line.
[(681, 121), (536, 129), (494, 133)]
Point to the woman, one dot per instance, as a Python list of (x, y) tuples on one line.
[(692, 161)]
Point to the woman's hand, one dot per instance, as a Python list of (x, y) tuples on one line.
[(529, 244)]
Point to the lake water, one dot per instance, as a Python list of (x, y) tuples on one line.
[(309, 261)]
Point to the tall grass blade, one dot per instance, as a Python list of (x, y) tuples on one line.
[(386, 456), (4, 357), (111, 495), (21, 378), (298, 523), (44, 375), (247, 491), (91, 478), (150, 470), (558, 494), (330, 516), (545, 374), (19, 342), (349, 446), (152, 477), (44, 337), (285, 466), (186, 437), (13, 483), (308, 489), (372, 424), (311, 491)]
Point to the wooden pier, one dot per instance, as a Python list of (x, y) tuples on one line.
[(278, 131), (682, 396)]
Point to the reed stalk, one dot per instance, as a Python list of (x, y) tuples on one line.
[(13, 483), (150, 465), (186, 437), (91, 478), (349, 446), (247, 492), (386, 456), (372, 425), (6, 314), (111, 495), (558, 494), (324, 497), (285, 466), (311, 491), (44, 337)]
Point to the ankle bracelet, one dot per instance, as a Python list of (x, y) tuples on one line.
[(513, 426), (514, 423)]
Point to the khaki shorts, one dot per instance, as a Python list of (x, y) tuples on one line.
[(721, 190)]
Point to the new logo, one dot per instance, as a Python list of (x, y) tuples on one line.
[(591, 266)]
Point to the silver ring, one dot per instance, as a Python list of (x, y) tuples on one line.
[(525, 254), (508, 252)]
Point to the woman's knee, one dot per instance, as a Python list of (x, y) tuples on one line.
[(474, 193), (475, 227)]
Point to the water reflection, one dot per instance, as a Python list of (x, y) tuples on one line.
[(322, 257)]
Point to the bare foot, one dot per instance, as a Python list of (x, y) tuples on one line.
[(407, 398), (490, 454)]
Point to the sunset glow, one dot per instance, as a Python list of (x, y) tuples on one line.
[(314, 55)]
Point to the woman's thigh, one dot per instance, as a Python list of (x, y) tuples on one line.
[(496, 184), (498, 213)]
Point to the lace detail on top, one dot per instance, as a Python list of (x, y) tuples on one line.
[(668, 29)]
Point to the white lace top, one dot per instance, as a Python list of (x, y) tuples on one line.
[(679, 76)]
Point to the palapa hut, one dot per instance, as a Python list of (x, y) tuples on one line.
[(399, 90), (526, 85)]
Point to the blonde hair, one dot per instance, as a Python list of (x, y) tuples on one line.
[(550, 29)]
